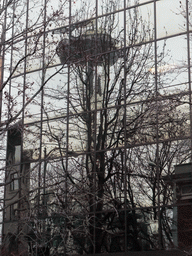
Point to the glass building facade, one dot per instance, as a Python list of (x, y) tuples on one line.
[(95, 115)]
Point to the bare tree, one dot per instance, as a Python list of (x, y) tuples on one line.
[(113, 109), (84, 184)]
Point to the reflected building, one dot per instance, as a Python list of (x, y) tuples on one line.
[(16, 195), (182, 210)]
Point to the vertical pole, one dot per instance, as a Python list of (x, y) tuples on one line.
[(25, 65), (124, 124), (44, 175), (44, 196), (2, 54), (189, 69), (157, 131), (41, 118), (11, 58), (95, 235), (24, 84), (67, 137)]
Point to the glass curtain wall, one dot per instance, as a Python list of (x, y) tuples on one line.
[(96, 112)]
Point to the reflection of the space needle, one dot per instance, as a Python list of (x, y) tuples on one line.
[(90, 49), (90, 46)]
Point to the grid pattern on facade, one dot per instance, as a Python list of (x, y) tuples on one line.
[(96, 109)]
